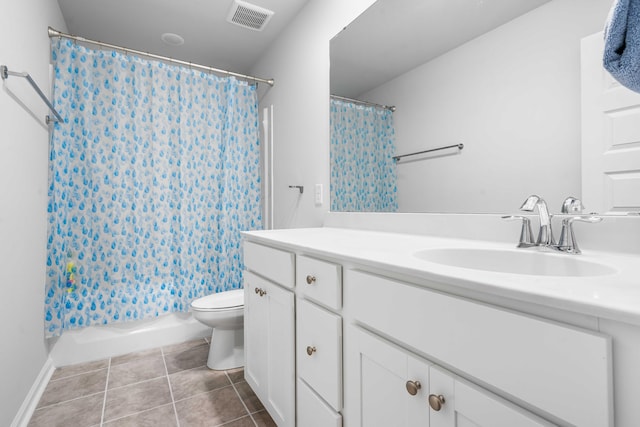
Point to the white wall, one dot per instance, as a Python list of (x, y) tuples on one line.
[(299, 63), (512, 96), (24, 46)]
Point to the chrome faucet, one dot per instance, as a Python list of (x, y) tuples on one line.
[(573, 208), (571, 211), (545, 235)]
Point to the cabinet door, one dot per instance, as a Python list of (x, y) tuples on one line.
[(280, 356), (255, 336), (269, 347), (378, 383), (466, 405), (319, 352)]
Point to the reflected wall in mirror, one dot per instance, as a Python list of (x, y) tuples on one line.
[(500, 76)]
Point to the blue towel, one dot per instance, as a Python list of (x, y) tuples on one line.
[(622, 43)]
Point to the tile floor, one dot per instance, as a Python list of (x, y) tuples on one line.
[(167, 386)]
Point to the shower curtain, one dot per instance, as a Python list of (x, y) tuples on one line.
[(363, 172), (152, 176)]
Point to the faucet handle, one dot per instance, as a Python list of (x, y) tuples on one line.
[(567, 242), (572, 205), (526, 236)]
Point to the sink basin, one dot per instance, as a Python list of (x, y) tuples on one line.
[(516, 262)]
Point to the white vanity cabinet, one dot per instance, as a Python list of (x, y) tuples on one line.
[(269, 327), (410, 345)]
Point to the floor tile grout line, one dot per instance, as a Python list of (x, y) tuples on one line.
[(139, 382), (226, 423), (133, 356), (138, 360), (173, 401), (67, 401), (106, 389), (92, 371), (136, 413), (202, 392), (162, 349), (240, 397), (187, 370), (155, 378)]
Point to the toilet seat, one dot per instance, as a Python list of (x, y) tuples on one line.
[(221, 301)]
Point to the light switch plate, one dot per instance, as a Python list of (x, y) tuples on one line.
[(318, 194)]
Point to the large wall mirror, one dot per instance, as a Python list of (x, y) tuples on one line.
[(500, 76)]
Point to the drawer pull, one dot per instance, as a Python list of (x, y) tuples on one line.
[(310, 350), (311, 279), (436, 402), (413, 387)]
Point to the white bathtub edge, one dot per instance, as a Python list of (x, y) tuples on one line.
[(100, 342)]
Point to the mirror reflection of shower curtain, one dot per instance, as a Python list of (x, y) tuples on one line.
[(153, 175), (363, 172)]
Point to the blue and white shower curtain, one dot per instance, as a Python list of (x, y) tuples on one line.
[(363, 172), (153, 174)]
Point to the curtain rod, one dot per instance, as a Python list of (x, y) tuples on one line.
[(391, 108), (55, 33)]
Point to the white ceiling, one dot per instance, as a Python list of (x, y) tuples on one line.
[(395, 36), (209, 38), (391, 37)]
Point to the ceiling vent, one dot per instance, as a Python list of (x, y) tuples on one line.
[(249, 15)]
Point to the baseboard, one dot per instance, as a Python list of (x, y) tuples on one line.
[(33, 397)]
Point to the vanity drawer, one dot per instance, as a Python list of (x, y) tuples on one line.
[(273, 264), (562, 370), (319, 351), (313, 411), (319, 281)]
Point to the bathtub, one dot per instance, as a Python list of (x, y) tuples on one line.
[(101, 342)]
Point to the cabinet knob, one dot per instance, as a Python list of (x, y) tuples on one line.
[(262, 292), (413, 387), (311, 279), (257, 291), (310, 350), (436, 401)]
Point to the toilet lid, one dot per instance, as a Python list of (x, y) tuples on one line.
[(220, 300)]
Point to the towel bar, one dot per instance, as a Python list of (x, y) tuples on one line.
[(5, 73), (459, 146)]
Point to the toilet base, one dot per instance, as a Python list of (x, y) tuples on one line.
[(227, 349)]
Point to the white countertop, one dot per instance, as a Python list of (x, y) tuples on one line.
[(614, 296)]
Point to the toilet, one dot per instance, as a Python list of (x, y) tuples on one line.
[(224, 312)]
